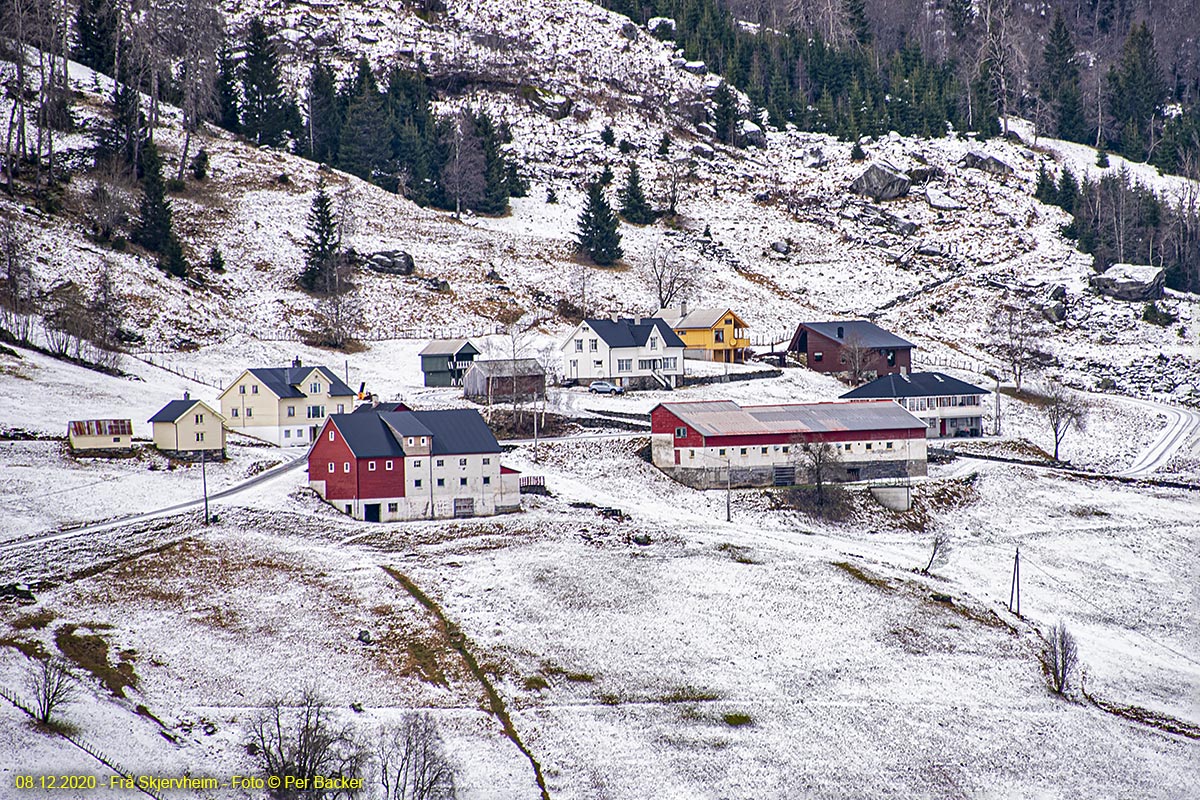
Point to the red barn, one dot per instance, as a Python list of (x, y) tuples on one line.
[(383, 467), (856, 348), (705, 443)]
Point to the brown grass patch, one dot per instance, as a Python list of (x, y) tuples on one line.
[(863, 575), (89, 651), (35, 621), (29, 647)]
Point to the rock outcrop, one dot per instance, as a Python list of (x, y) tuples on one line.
[(881, 181), (1133, 282)]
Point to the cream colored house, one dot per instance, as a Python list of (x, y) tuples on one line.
[(98, 435), (284, 405), (189, 429)]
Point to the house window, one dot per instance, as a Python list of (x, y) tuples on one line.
[(199, 436), (341, 408), (291, 411), (287, 433), (346, 467), (117, 439), (331, 467), (393, 508), (593, 345), (235, 412), (387, 465), (241, 390), (199, 419), (417, 463), (624, 365), (417, 483), (721, 451), (439, 463), (653, 342), (719, 336), (331, 436), (254, 389), (249, 412), (370, 466), (487, 461), (441, 481), (314, 388), (462, 462), (597, 365), (487, 480), (670, 363), (462, 481), (680, 433), (579, 345), (818, 356), (316, 412)]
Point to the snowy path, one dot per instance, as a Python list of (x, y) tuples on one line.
[(1182, 425), (96, 527)]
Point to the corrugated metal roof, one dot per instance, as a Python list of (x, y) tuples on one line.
[(697, 318), (101, 427), (726, 418), (447, 347), (858, 331), (503, 367), (916, 384)]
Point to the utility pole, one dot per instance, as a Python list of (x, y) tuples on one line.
[(728, 490), (535, 435), (204, 480), (1014, 594)]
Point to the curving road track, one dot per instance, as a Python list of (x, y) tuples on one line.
[(1183, 425)]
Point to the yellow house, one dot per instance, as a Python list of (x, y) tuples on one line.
[(189, 429), (711, 334), (285, 405), (100, 435)]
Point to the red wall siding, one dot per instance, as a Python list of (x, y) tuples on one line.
[(831, 357), (663, 421), (762, 440), (339, 485), (380, 483)]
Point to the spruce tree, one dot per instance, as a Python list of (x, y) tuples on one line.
[(634, 207), (321, 244), (153, 228), (725, 113), (228, 111), (362, 148), (1136, 90), (664, 144), (598, 233), (324, 124), (264, 112), (1060, 82), (96, 33), (1068, 192), (216, 261), (1045, 190), (495, 170), (607, 136)]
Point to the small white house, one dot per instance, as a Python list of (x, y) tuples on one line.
[(643, 352)]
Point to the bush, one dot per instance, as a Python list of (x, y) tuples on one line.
[(833, 504), (199, 165), (626, 147), (1157, 316), (607, 136), (175, 185), (857, 153)]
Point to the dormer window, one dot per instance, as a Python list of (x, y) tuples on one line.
[(410, 441), (314, 388), (653, 342)]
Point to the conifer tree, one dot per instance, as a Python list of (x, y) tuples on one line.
[(495, 170), (634, 207), (607, 136), (664, 144), (324, 124), (725, 113), (1060, 82), (228, 103), (1136, 90), (363, 148), (96, 33), (599, 235), (264, 112), (1068, 191), (216, 261), (153, 228), (321, 244), (1045, 190)]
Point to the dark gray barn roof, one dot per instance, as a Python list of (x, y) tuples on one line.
[(918, 384), (459, 431)]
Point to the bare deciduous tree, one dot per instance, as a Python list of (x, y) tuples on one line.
[(52, 685), (1065, 411), (18, 302), (463, 174), (1014, 334), (1062, 657), (195, 38), (670, 276), (304, 741), (939, 551), (338, 317), (672, 173), (412, 764), (856, 357)]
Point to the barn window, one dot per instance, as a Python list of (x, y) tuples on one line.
[(680, 433), (331, 467), (691, 453), (889, 445), (410, 441), (393, 508), (370, 466), (721, 451), (786, 448), (764, 451), (387, 465), (424, 440), (818, 356), (346, 467), (331, 437), (868, 446)]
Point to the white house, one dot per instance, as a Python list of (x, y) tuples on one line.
[(284, 405), (639, 353), (948, 407)]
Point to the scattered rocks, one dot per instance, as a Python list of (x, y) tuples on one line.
[(1054, 311), (390, 262), (629, 30), (881, 181), (814, 158), (695, 67), (1132, 282), (364, 636), (706, 129), (869, 215), (939, 200), (976, 159), (762, 197), (437, 284), (552, 105), (783, 248), (701, 150), (925, 174), (752, 134)]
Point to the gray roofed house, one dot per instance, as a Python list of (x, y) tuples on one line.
[(494, 380), (444, 362), (642, 352), (856, 349), (286, 381), (189, 429), (711, 334), (285, 406), (634, 332), (866, 333), (947, 405)]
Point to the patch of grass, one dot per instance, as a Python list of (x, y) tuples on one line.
[(89, 651), (535, 683), (35, 621), (424, 661), (609, 699), (57, 727), (29, 647), (1088, 511), (862, 575), (689, 694), (738, 553), (579, 677), (737, 719)]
